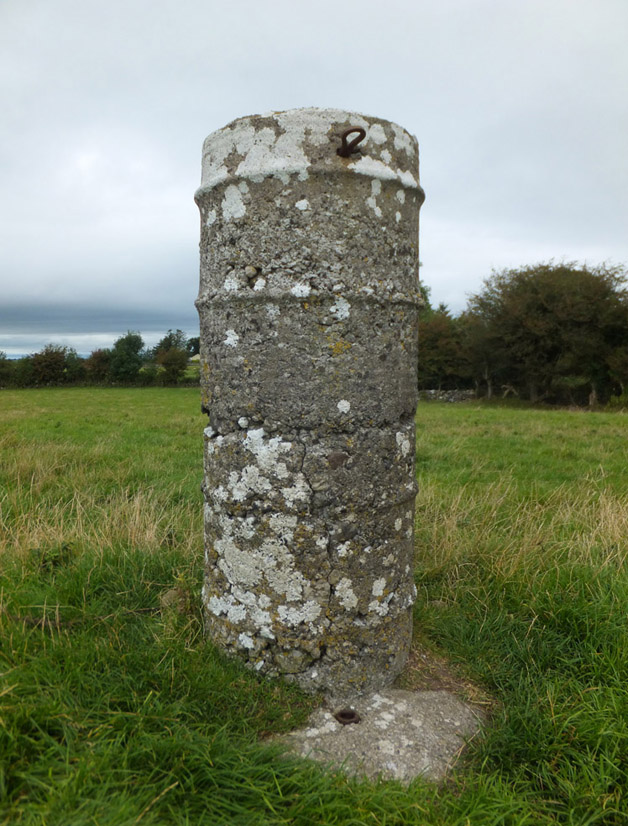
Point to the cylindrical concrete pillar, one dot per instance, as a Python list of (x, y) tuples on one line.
[(308, 307)]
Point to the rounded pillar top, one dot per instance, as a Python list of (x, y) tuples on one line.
[(303, 142)]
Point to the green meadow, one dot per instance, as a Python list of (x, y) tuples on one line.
[(115, 711)]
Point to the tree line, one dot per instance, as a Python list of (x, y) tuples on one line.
[(128, 362), (556, 333)]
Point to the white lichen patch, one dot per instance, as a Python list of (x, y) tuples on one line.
[(345, 594), (303, 204), (261, 158), (264, 601), (297, 492), (400, 195), (250, 571), (240, 567), (379, 608), (377, 134), (376, 188), (343, 550), (374, 168), (283, 524), (246, 641), (249, 481), (404, 141), (227, 605), (378, 700), (251, 600), (212, 215), (267, 151), (407, 179), (295, 615), (403, 443), (281, 152), (231, 284), (231, 338), (266, 451), (397, 217), (329, 726), (232, 204), (378, 587), (398, 524), (301, 290), (341, 308), (260, 283), (272, 311), (344, 406)]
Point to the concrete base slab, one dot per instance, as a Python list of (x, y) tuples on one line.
[(400, 735)]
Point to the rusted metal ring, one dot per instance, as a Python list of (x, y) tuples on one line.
[(347, 715), (346, 149)]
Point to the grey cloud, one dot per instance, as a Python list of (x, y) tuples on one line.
[(519, 108), (64, 318)]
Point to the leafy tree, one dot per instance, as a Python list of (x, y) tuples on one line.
[(440, 357), (174, 361), (126, 357), (173, 339), (485, 358), (6, 372), (618, 366), (98, 365), (194, 346), (23, 374), (74, 367), (49, 364), (424, 297), (57, 364), (549, 330), (171, 354), (148, 375)]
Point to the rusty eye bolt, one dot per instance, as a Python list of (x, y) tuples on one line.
[(346, 149)]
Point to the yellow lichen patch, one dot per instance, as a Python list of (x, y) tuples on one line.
[(339, 347)]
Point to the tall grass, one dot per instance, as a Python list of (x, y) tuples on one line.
[(523, 581), (115, 710)]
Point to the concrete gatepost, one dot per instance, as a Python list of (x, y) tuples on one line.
[(308, 307)]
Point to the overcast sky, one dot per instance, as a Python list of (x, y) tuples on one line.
[(520, 108)]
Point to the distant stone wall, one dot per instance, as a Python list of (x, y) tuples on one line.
[(446, 395)]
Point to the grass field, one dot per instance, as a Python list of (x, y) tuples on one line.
[(115, 711)]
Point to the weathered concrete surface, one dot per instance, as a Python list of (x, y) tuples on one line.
[(401, 735), (308, 307)]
